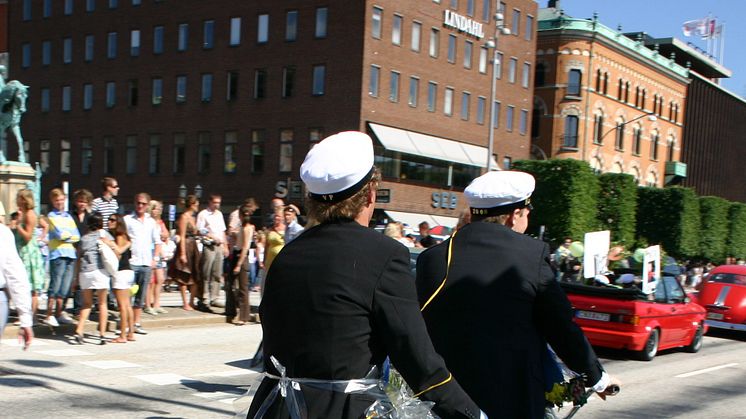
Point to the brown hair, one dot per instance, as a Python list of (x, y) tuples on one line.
[(189, 201), (107, 181), (322, 212), (83, 193), (27, 197), (121, 227), (56, 193), (143, 195)]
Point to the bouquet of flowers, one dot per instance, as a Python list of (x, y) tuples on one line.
[(401, 403), (562, 384)]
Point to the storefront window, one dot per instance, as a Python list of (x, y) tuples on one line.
[(423, 170)]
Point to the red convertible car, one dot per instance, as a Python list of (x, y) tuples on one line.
[(625, 318), (723, 294)]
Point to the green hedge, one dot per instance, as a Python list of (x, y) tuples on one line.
[(736, 245), (670, 217), (617, 207), (714, 227), (565, 198)]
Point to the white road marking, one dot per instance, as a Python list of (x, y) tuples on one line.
[(229, 373), (706, 370), (216, 395), (107, 365), (165, 379), (64, 352), (228, 401)]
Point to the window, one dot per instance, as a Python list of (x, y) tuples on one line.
[(66, 98), (432, 96), (111, 94), (416, 33), (46, 52), (286, 150), (654, 146), (291, 25), (599, 81), (45, 99), (136, 2), (203, 152), (499, 66), (154, 154), (636, 141), (671, 150), (394, 87), (619, 142), (135, 42), (468, 47), (481, 101), (158, 40), (65, 157), (288, 81), (260, 83), (26, 10), (539, 74), (414, 91), (157, 93), (26, 55), (526, 75), (46, 10), (179, 154), (376, 22), (496, 116), (131, 154), (257, 151), (396, 30), (113, 4), (574, 78), (448, 101), (208, 34), (320, 30), (90, 5), (319, 80), (529, 33), (231, 92), (88, 54), (206, 95), (86, 156), (111, 45), (67, 50), (181, 89), (598, 129), (229, 152), (507, 162), (516, 23), (132, 93), (235, 38), (470, 7), (262, 29), (486, 10), (434, 42), (509, 113), (454, 4), (483, 57), (523, 122), (375, 74), (109, 155), (571, 132), (465, 99), (44, 155), (87, 96), (512, 68), (315, 135), (182, 42), (451, 48)]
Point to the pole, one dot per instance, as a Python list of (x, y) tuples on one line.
[(492, 109)]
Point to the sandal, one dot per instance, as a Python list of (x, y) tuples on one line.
[(79, 339), (131, 338), (119, 340)]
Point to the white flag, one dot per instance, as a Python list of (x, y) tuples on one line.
[(698, 26)]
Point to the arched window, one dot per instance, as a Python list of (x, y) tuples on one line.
[(671, 144), (599, 81), (574, 78), (598, 129), (606, 83), (637, 96), (620, 90), (644, 98), (619, 144), (654, 146), (636, 140), (536, 122), (652, 179), (655, 103), (626, 92), (571, 132)]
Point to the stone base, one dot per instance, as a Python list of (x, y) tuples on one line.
[(14, 176)]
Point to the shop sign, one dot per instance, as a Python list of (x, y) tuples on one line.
[(292, 189), (447, 200), (383, 196), (463, 24)]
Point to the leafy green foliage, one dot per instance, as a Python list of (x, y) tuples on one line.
[(617, 206), (669, 217), (736, 245), (714, 228)]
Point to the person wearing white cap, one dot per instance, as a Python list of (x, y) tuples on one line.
[(340, 298), (491, 303)]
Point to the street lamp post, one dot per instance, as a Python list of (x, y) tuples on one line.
[(492, 43), (651, 117)]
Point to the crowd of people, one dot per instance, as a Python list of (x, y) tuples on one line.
[(95, 254)]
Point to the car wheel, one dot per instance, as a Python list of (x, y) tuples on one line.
[(696, 343), (651, 346)]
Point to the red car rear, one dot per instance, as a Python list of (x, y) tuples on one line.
[(628, 319), (723, 294)]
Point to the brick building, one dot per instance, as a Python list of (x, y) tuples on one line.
[(605, 98), (4, 32), (230, 95)]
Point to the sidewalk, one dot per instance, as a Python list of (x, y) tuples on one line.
[(171, 301)]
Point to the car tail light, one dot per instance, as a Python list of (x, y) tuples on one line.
[(633, 320)]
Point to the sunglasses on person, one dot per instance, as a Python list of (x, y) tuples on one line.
[(114, 219), (142, 203)]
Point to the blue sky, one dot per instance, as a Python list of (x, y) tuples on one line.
[(664, 18)]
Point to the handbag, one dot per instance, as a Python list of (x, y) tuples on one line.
[(109, 258)]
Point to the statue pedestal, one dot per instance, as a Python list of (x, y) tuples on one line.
[(14, 176)]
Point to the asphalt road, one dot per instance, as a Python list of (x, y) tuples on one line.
[(198, 372)]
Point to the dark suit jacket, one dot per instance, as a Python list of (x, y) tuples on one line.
[(492, 319), (338, 300)]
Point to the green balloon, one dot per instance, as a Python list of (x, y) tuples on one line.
[(576, 249), (639, 255)]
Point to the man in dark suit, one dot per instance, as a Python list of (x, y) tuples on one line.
[(340, 298), (491, 303)]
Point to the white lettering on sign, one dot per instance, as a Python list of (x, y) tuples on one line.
[(463, 24)]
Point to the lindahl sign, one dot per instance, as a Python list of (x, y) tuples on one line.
[(463, 24)]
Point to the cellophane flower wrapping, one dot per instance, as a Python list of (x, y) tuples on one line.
[(401, 403)]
